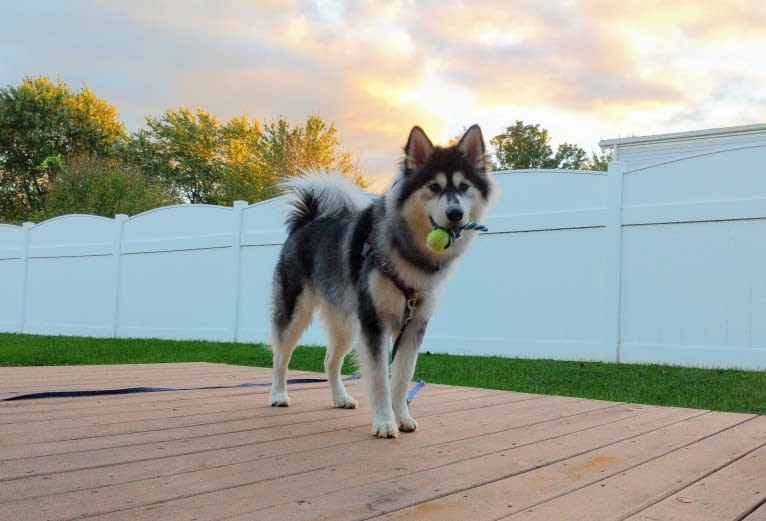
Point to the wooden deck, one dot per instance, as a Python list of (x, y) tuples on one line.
[(478, 454)]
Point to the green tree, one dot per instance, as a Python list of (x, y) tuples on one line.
[(256, 157), (207, 161), (311, 146), (599, 161), (182, 148), (522, 146), (104, 186), (41, 119), (528, 146), (569, 156), (246, 176)]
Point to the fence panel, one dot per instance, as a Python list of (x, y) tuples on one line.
[(177, 280), (694, 261), (262, 236), (534, 285), (12, 263), (665, 263), (70, 277)]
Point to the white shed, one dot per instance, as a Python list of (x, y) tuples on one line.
[(640, 151)]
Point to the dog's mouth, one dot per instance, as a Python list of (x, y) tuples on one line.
[(453, 228), (441, 238)]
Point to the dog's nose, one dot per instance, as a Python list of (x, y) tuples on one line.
[(455, 214)]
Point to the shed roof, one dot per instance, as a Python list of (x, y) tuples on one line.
[(759, 128)]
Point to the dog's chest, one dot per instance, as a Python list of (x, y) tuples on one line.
[(389, 301)]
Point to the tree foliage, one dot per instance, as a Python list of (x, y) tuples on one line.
[(182, 148), (67, 151), (48, 131), (42, 119), (528, 146), (289, 150), (104, 186), (208, 161)]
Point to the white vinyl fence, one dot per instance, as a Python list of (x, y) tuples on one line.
[(665, 263)]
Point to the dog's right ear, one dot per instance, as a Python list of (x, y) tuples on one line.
[(417, 150)]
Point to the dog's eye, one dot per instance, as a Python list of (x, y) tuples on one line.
[(435, 188), (463, 187)]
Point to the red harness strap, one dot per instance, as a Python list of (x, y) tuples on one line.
[(410, 294)]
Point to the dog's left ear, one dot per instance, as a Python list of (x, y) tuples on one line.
[(472, 145), (417, 149)]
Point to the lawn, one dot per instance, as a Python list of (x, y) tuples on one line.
[(716, 389)]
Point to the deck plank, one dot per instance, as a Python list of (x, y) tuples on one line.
[(478, 454), (759, 514), (623, 494), (730, 493), (546, 461), (259, 452)]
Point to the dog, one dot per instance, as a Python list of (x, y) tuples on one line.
[(369, 272)]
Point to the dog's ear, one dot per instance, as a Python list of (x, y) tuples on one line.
[(472, 145), (417, 149)]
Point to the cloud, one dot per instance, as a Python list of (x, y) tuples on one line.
[(586, 70)]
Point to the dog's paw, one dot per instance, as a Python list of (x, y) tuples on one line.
[(407, 424), (279, 400), (385, 429), (345, 402)]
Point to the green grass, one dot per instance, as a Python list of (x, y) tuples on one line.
[(716, 389)]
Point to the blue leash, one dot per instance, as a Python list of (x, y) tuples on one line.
[(418, 386), (136, 390)]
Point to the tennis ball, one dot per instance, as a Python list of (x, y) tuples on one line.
[(438, 240)]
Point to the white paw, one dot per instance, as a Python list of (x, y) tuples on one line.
[(345, 402), (407, 423), (279, 400), (384, 429)]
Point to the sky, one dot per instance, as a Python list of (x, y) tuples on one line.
[(585, 70)]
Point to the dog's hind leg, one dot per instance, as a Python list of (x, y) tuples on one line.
[(288, 324), (340, 333)]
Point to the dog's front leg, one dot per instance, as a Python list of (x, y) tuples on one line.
[(402, 370), (373, 358), (375, 367)]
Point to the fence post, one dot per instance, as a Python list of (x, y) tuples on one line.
[(236, 265), (614, 241), (27, 228), (119, 221)]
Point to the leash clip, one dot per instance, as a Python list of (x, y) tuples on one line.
[(411, 304)]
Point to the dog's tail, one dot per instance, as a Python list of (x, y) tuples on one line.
[(316, 195)]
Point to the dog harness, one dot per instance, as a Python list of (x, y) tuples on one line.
[(410, 293)]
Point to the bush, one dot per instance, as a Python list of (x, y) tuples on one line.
[(106, 187)]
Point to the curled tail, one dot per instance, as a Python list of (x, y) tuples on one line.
[(319, 195)]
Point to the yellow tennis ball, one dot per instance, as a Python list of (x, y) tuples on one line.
[(438, 240)]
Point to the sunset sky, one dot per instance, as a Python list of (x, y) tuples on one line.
[(585, 70)]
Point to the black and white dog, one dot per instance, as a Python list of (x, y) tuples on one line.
[(368, 269)]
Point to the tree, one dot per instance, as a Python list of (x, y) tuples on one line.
[(256, 157), (246, 176), (522, 146), (313, 146), (104, 186), (600, 161), (528, 146), (44, 125), (569, 156), (210, 162), (41, 119), (182, 148)]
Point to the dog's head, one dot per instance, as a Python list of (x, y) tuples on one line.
[(447, 186)]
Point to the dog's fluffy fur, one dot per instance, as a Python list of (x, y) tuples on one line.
[(322, 266)]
